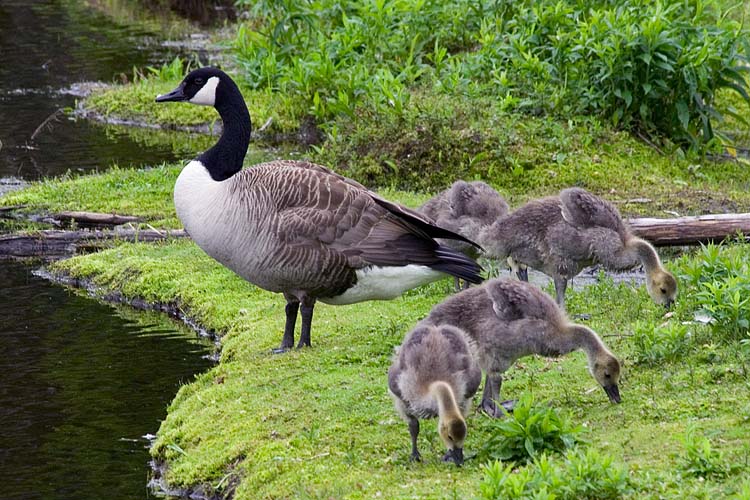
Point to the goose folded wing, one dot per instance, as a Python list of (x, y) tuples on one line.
[(333, 215)]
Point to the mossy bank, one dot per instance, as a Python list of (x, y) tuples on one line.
[(318, 423)]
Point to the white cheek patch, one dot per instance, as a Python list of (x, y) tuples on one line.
[(206, 96)]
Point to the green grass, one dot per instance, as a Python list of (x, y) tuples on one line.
[(318, 423), (135, 101)]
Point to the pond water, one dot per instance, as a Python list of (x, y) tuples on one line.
[(82, 382), (47, 47)]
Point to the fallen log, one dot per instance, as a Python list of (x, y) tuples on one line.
[(95, 218), (52, 244), (691, 230), (660, 232)]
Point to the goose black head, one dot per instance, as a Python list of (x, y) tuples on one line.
[(201, 86)]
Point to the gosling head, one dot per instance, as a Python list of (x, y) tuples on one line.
[(201, 86), (606, 371), (452, 431), (662, 287)]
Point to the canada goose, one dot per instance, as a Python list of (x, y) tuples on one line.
[(297, 228), (434, 374), (561, 235), (509, 319), (466, 208)]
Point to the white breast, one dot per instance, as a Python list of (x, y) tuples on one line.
[(385, 283)]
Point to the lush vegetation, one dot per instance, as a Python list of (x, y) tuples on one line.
[(650, 66)]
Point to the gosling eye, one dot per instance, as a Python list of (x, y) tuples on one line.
[(663, 290)]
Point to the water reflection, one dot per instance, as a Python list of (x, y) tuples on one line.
[(46, 47), (80, 388)]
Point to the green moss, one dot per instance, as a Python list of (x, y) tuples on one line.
[(136, 102), (318, 423)]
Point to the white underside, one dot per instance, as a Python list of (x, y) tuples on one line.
[(385, 283)]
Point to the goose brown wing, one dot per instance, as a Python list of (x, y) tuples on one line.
[(320, 209)]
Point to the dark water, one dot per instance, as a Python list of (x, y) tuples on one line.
[(81, 384), (46, 47)]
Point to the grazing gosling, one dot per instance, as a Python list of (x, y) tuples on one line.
[(561, 235), (509, 319), (465, 208), (434, 373)]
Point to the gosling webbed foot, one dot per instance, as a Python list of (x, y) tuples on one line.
[(491, 409), (509, 405)]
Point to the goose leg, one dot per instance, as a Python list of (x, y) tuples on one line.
[(414, 432), (287, 342), (307, 313), (560, 285), (523, 273), (490, 395)]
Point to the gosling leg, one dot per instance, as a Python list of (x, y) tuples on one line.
[(490, 395), (560, 285), (308, 305), (414, 432), (287, 342)]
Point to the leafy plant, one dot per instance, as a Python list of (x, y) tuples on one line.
[(580, 475), (530, 431), (701, 459), (654, 345), (653, 67)]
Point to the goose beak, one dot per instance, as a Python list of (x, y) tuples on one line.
[(456, 455), (613, 392), (176, 95)]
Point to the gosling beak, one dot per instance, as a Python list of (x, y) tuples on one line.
[(613, 392), (176, 95), (668, 304), (456, 455)]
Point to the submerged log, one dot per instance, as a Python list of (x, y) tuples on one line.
[(691, 230), (57, 244)]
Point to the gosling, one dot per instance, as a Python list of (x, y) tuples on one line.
[(465, 208), (509, 319), (434, 373), (561, 235)]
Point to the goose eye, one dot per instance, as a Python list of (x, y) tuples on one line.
[(199, 81)]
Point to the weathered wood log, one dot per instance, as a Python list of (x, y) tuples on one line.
[(95, 218), (660, 232), (53, 244), (691, 230)]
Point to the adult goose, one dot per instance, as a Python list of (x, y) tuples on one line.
[(560, 235), (297, 228)]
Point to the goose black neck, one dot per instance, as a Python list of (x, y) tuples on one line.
[(225, 158)]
